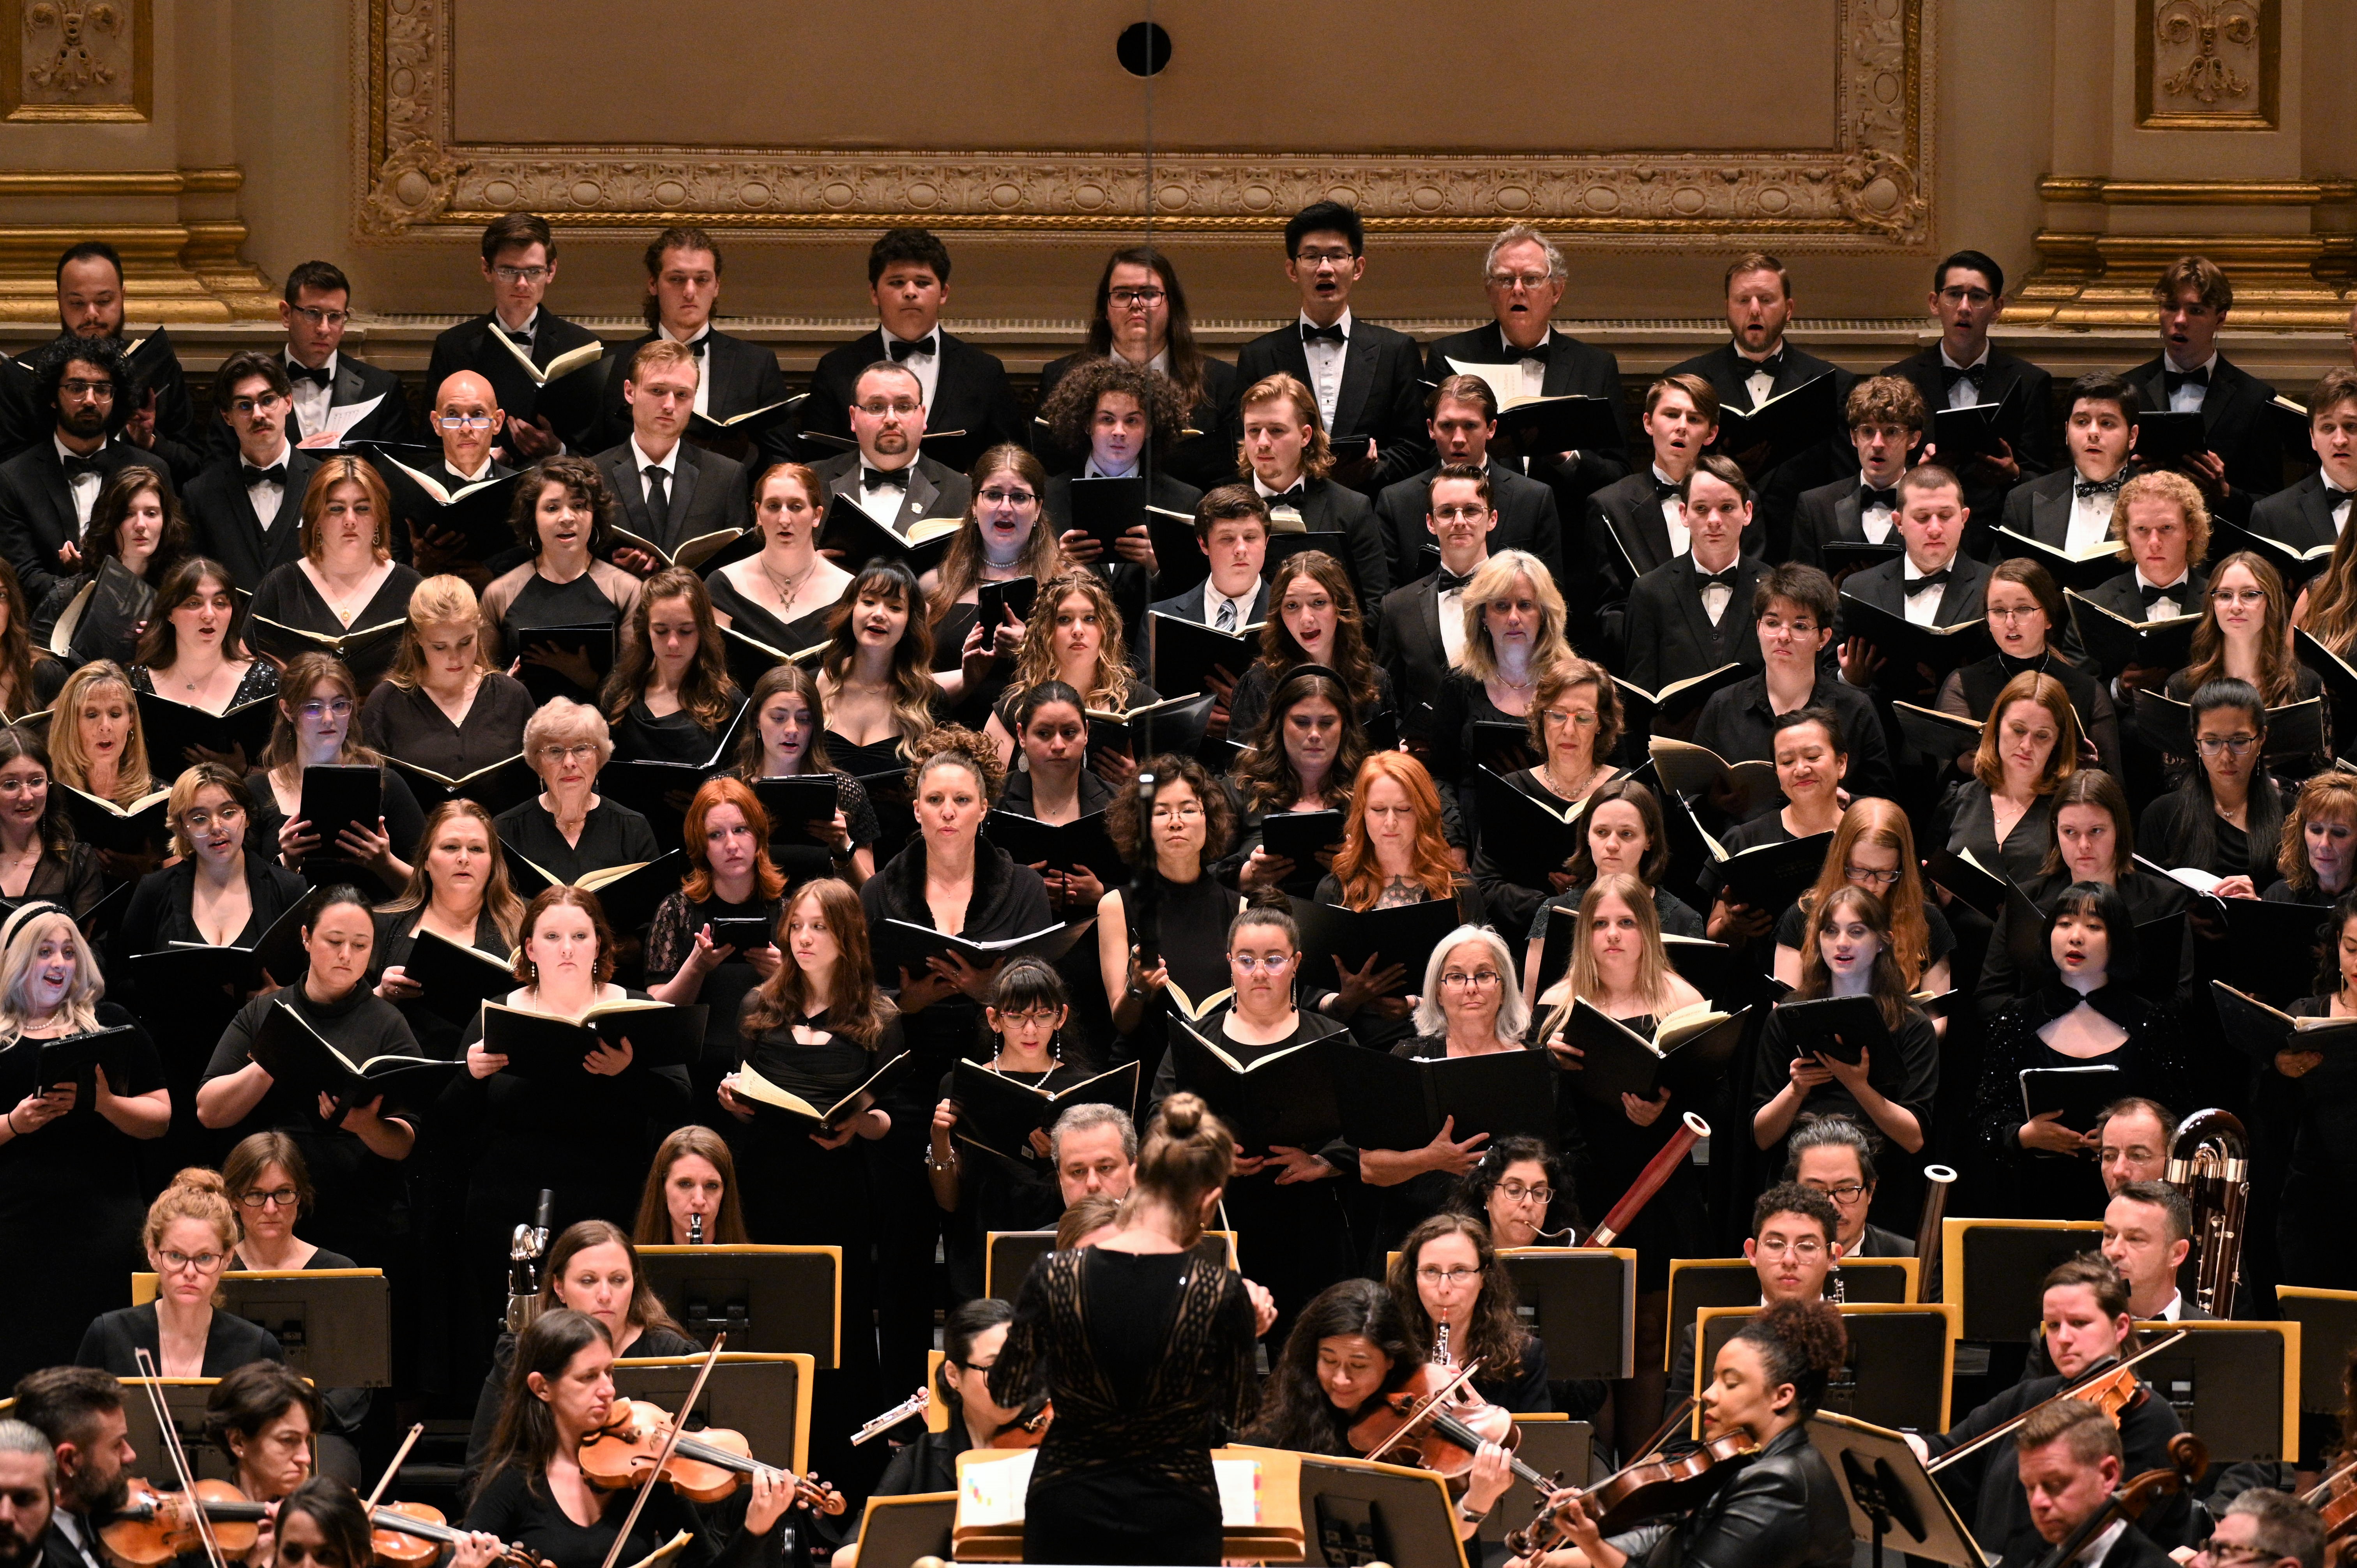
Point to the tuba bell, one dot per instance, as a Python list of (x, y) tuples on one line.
[(2209, 1162)]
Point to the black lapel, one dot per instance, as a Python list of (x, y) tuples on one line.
[(1849, 517), (1430, 607), (683, 493), (1358, 374), (2049, 514)]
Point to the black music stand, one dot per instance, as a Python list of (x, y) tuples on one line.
[(2328, 1330), (1356, 1513), (1552, 1446), (1582, 1303), (335, 1325), (896, 1531), (185, 1398), (770, 1300), (1007, 1257), (1889, 1493), (1995, 1271), (1697, 1282), (767, 1398), (2234, 1384), (1902, 1359)]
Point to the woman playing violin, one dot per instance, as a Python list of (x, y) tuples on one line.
[(560, 1391), (264, 1416), (1782, 1508)]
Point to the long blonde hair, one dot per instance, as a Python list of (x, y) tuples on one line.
[(437, 601), (1109, 683), (1493, 580), (2279, 673), (79, 1010), (71, 764), (1653, 965), (500, 899)]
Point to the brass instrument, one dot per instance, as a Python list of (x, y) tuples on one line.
[(1929, 1245), (2210, 1163)]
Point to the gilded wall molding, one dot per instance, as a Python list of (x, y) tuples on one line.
[(76, 60), (2208, 64), (1870, 191), (182, 272)]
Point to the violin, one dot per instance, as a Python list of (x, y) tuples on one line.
[(153, 1527), (2114, 1389), (2335, 1501), (411, 1535), (703, 1468), (1651, 1487), (1024, 1431), (1436, 1422)]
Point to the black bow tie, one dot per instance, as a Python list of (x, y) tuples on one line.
[(1771, 366), (1663, 490), (1542, 350), (2084, 489), (1330, 333), (1868, 495), (1300, 488), (2174, 593), (1445, 581), (1722, 579), (76, 468), (1938, 579), (273, 475), (2334, 495), (877, 478), (2197, 377), (520, 339), (319, 377), (899, 350), (1951, 374)]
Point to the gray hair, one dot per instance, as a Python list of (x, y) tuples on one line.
[(2287, 1527), (563, 719), (1520, 234), (1086, 1117), (23, 1437), (1513, 1013)]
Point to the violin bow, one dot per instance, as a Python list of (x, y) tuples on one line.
[(655, 1477), (1463, 1376), (2070, 1391), (169, 1436), (408, 1443)]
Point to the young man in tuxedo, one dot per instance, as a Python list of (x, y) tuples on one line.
[(1637, 524), (519, 266), (1755, 364), (1932, 583), (2315, 510), (79, 1411), (1367, 378), (1792, 618), (1962, 370), (2164, 531), (1231, 529), (2070, 1459), (2243, 459), (90, 307), (1521, 355), (46, 492), (1687, 616), (1887, 423), (1792, 1249), (683, 267), (1286, 451), (2071, 508), (887, 477), (1120, 415), (1423, 629), (963, 388), (337, 399), (1462, 420), (671, 489), (246, 510)]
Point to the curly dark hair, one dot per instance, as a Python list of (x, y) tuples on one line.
[(1296, 1412), (1474, 1188), (583, 482), (1071, 406), (107, 353), (1801, 1343), (1128, 834), (1496, 1337)]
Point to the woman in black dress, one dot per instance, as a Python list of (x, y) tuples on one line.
[(188, 654), (1623, 834), (190, 1230), (1447, 1275), (442, 709), (1314, 619), (1189, 826), (459, 889), (322, 1522), (319, 703), (1003, 538), (2004, 814), (781, 597), (1055, 784), (1304, 757), (68, 1148), (786, 737), (691, 1195), (2321, 1184), (138, 524), (95, 741), (670, 698), (1513, 638), (2245, 635), (2227, 817), (1873, 848), (730, 880), (879, 694), (1575, 722), (39, 856), (568, 830), (1145, 1346), (347, 581), (2026, 611), (564, 515), (559, 1388)]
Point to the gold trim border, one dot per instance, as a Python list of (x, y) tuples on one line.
[(140, 109), (2265, 117), (1869, 192)]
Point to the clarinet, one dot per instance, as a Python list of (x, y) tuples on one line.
[(695, 1230)]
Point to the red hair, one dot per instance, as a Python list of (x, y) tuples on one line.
[(1354, 862), (768, 882)]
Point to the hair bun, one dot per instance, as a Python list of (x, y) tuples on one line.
[(201, 1178), (1182, 1113)]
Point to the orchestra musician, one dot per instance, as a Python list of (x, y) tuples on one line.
[(1834, 1154), (263, 1417), (2070, 1458), (191, 1232), (1513, 1189), (79, 1413), (1793, 1248), (692, 1176), (1448, 1273)]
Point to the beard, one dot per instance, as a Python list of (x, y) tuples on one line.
[(85, 423), (94, 1499)]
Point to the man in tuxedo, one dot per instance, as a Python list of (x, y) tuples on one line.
[(246, 510), (1232, 529), (1887, 422), (1792, 610), (2148, 1235), (91, 305), (1932, 583), (2070, 1458), (671, 489), (2315, 510), (684, 266), (46, 492), (1521, 355), (2160, 523), (2071, 508), (963, 388), (1756, 364), (79, 1411), (1686, 616), (1637, 524), (1366, 378), (888, 478), (337, 399), (1793, 1250), (1287, 451), (1423, 628), (467, 421), (1120, 415), (1462, 420), (28, 1469), (2243, 459), (1962, 369), (519, 266)]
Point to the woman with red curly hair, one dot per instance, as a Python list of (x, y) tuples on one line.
[(715, 940)]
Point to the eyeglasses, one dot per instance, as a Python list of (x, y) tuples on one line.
[(463, 420), (1800, 628), (2220, 744), (2022, 613), (1471, 511), (1127, 297), (249, 406), (1314, 257), (200, 819), (579, 752), (277, 1197), (1276, 963), (335, 707), (1519, 280), (1967, 295), (1583, 719), (1516, 1192), (876, 408), (1479, 979), (1021, 1020), (1184, 811), (15, 785), (1008, 498), (180, 1262), (1846, 1193), (2224, 1552), (87, 389), (2238, 595), (1859, 874), (318, 317), (520, 274), (1458, 1276), (1806, 1247)]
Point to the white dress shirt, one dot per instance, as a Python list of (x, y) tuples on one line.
[(925, 366), (1326, 358), (1758, 381), (668, 465), (2094, 1551), (1965, 393), (883, 502), (311, 400), (267, 496), (478, 477), (2090, 517), (1239, 610), (2339, 501), (2173, 1312), (2187, 399), (2168, 604), (1674, 518), (529, 330), (1269, 495), (1922, 604), (1873, 520), (703, 365), (1529, 375), (83, 488), (1093, 470), (1452, 622)]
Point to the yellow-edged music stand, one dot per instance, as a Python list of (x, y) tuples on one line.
[(773, 1300), (896, 1531), (1698, 1282), (1273, 1536), (766, 1396), (2327, 1331), (2010, 1258), (2235, 1383), (334, 1324), (1890, 1352)]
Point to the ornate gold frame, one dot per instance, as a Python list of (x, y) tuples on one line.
[(1868, 192), (142, 106), (2152, 115)]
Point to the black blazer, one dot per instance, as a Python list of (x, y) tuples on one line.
[(1409, 647), (2119, 595), (971, 394), (2035, 447), (1625, 538), (2234, 417), (1329, 508), (469, 347), (1668, 636), (744, 376), (2300, 516), (1190, 605), (1965, 597), (37, 509), (1829, 512), (112, 1341), (2041, 508), (356, 381), (935, 490), (221, 523), (1527, 520), (1381, 395), (708, 493), (1573, 367), (180, 434), (1780, 488)]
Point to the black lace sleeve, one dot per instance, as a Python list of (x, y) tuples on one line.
[(670, 939), (858, 810)]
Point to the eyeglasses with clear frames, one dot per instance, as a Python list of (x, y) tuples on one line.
[(1431, 1275), (520, 274), (2238, 595), (1519, 280), (318, 317), (334, 707), (1804, 1248), (1967, 295), (1276, 963), (579, 751), (1181, 811), (15, 785), (2015, 612), (463, 420)]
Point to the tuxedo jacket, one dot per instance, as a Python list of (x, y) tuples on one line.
[(1174, 570), (1780, 488), (935, 490), (37, 509), (179, 434), (1408, 644), (2035, 448), (707, 493), (2120, 595), (1964, 598), (2041, 508), (356, 381), (1573, 368), (744, 376), (469, 347), (2300, 516), (1668, 635), (1203, 460), (1527, 520), (970, 394), (1329, 508), (1625, 538), (1381, 395), (222, 524), (2234, 417)]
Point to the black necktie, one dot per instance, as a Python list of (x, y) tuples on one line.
[(1951, 374), (658, 483), (1445, 581), (1771, 366), (1330, 333), (2197, 377), (273, 475), (880, 479), (76, 468), (2086, 489), (318, 376), (1937, 579), (1868, 496), (2173, 593), (900, 350)]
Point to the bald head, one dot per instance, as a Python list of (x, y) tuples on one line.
[(466, 416)]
